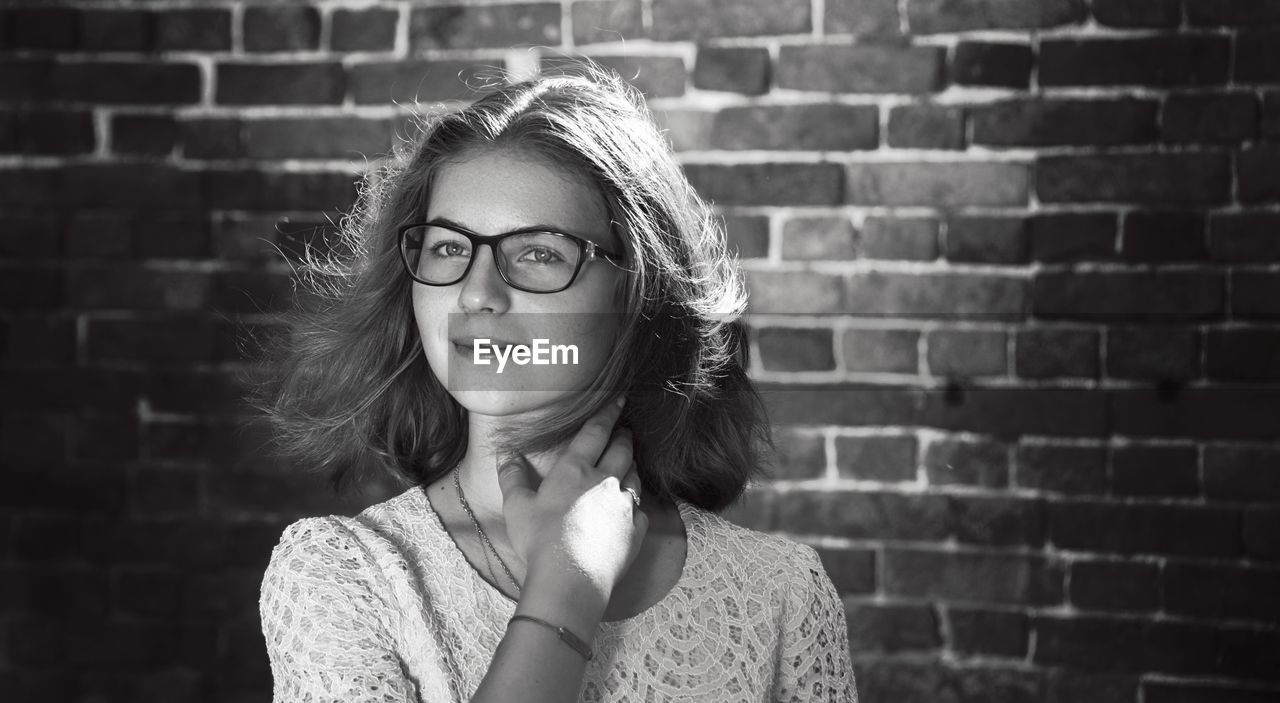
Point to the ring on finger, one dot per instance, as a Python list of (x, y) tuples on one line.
[(635, 495)]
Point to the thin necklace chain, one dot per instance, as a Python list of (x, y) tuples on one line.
[(457, 483)]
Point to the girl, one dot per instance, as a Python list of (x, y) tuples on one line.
[(558, 539)]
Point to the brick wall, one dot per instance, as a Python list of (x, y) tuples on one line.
[(1016, 283)]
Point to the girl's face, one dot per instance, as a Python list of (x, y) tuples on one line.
[(492, 192)]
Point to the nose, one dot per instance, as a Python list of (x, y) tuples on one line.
[(483, 289)]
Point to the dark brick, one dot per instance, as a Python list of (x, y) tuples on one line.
[(869, 18), (1195, 692), (1074, 686), (1255, 294), (905, 238), (943, 295), (410, 81), (315, 138), (1089, 643), (30, 236), (926, 126), (271, 28), (1070, 236), (983, 239), (877, 458), (848, 405), (469, 27), (1182, 179), (795, 349), (1152, 61), (252, 292), (881, 350), (1166, 296), (116, 30), (988, 632), (1064, 468), (676, 19), (606, 21), (933, 16), (42, 538), (819, 238), (1257, 56), (1164, 236), (51, 28), (31, 288), (213, 138), (734, 69), (95, 235), (1145, 528), (900, 679), (977, 463), (892, 628), (1247, 354), (995, 65), (1066, 122), (768, 184), (799, 455), (148, 135), (1215, 13), (1270, 123), (372, 29), (130, 185), (1152, 13), (280, 84), (52, 132), (1227, 117), (200, 29), (1154, 353), (748, 235), (850, 570), (1256, 175), (140, 289), (1155, 470), (1242, 472), (796, 127), (233, 189), (997, 520), (972, 577), (1248, 653), (937, 184), (24, 79), (861, 68), (1008, 413), (1222, 592), (1245, 412), (866, 515), (1262, 532), (43, 338), (123, 82), (967, 352), (1054, 352), (173, 340)]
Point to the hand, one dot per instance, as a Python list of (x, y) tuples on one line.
[(580, 529)]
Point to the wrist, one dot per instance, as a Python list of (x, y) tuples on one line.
[(573, 603)]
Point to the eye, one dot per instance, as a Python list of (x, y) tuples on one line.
[(541, 255), (447, 249)]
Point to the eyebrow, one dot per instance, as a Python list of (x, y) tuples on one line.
[(528, 228)]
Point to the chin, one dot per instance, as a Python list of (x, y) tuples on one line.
[(505, 403)]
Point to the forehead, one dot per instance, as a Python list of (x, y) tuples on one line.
[(495, 191)]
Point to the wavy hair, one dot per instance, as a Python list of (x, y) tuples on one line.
[(354, 392)]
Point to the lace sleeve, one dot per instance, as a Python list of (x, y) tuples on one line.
[(325, 623), (815, 663)]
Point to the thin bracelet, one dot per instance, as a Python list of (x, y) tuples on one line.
[(565, 634)]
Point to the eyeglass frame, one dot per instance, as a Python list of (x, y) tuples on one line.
[(587, 250)]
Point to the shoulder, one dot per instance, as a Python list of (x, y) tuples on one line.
[(758, 556)]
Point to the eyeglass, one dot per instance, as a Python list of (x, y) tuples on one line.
[(531, 260)]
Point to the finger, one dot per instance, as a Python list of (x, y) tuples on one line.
[(617, 457), (590, 441), (632, 478), (513, 479)]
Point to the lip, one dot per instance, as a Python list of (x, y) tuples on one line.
[(470, 342)]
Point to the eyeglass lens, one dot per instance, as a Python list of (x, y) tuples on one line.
[(533, 260)]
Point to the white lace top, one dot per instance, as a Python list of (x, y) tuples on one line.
[(385, 607)]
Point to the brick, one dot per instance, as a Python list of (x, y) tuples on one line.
[(197, 29), (96, 235), (383, 82), (850, 570), (791, 293), (606, 21), (678, 19), (147, 592), (62, 593), (370, 29), (1062, 468), (1222, 14), (937, 184), (987, 632), (1222, 592), (316, 138), (252, 292), (926, 126), (881, 350), (904, 238), (1067, 685), (1194, 692), (734, 69), (892, 628), (1227, 117), (143, 135), (768, 184), (236, 189), (1122, 13), (32, 236), (935, 295), (1234, 412), (997, 520), (1257, 56), (819, 238), (41, 538), (129, 288), (213, 138), (876, 458), (130, 185), (983, 239), (1145, 528), (104, 437), (1270, 123), (1055, 352), (936, 16), (972, 577), (22, 79), (1151, 61), (43, 28), (171, 235), (799, 456), (1167, 296), (1182, 179), (686, 130), (125, 82), (1070, 236), (1153, 353), (796, 127), (172, 340), (848, 405), (869, 18), (1155, 470), (42, 338), (53, 132), (861, 68), (748, 235), (966, 462), (1089, 643), (471, 27), (116, 30), (34, 437), (1008, 413), (31, 288), (280, 84), (1255, 294), (164, 494), (991, 64), (1248, 653), (271, 28), (1065, 122), (900, 679), (866, 515), (967, 352), (1255, 174), (1262, 532), (795, 349), (1164, 236), (1247, 354), (654, 76), (1244, 237)]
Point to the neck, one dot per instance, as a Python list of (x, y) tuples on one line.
[(479, 469)]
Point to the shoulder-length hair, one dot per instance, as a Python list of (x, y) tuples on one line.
[(355, 393)]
